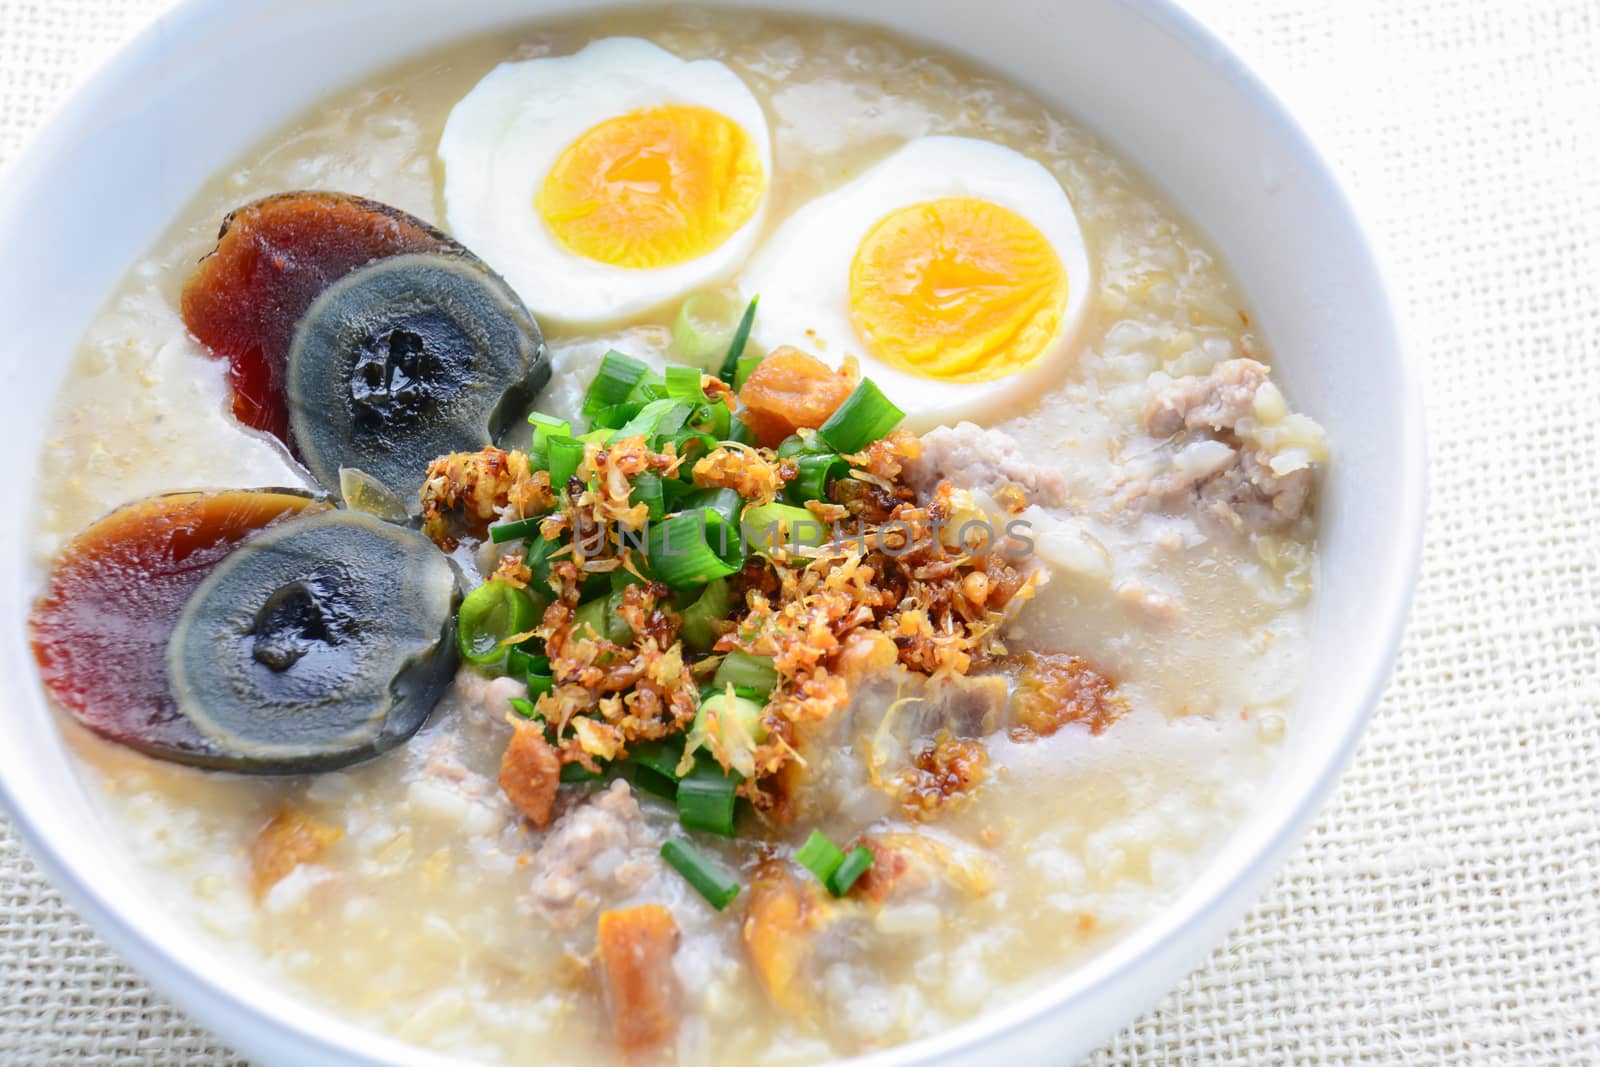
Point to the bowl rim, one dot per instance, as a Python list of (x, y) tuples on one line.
[(281, 1020)]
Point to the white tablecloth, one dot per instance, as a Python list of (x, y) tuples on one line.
[(1446, 909)]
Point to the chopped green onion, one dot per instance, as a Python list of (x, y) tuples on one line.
[(741, 336), (519, 662), (729, 725), (613, 381), (577, 772), (565, 455), (515, 530), (740, 433), (609, 418), (803, 443), (647, 490), (712, 418), (712, 606), (491, 613), (539, 684), (706, 797), (592, 616), (526, 708), (767, 527), (865, 416), (820, 856), (655, 782), (741, 372), (692, 444), (536, 555), (601, 618), (544, 428), (704, 325), (686, 383), (816, 471), (601, 436), (692, 548), (659, 418), (744, 671), (662, 757), (725, 502), (709, 880), (618, 632), (595, 585), (845, 875)]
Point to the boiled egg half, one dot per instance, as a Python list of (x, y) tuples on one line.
[(605, 183), (954, 270)]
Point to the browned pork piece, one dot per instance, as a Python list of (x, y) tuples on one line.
[(636, 947), (530, 772), (290, 839)]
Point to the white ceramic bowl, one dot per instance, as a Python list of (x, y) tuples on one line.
[(103, 179)]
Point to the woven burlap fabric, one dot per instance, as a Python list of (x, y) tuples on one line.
[(1446, 909)]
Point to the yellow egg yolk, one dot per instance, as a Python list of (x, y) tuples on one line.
[(653, 188), (957, 289)]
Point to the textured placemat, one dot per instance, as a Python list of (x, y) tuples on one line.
[(1446, 910)]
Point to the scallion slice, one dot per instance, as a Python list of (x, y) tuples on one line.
[(725, 502), (591, 616), (803, 443), (865, 416), (565, 455), (489, 614), (519, 662), (712, 418), (647, 490), (816, 471), (712, 606), (613, 381), (685, 383), (655, 782), (539, 684), (706, 797), (657, 419), (609, 418), (544, 428), (820, 856), (536, 554), (742, 369), (516, 530), (618, 632), (740, 433), (854, 866), (746, 672), (741, 336), (526, 708), (768, 527), (692, 548), (709, 880), (662, 756)]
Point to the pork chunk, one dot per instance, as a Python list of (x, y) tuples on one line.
[(971, 457), (1215, 401), (598, 852), (1236, 455)]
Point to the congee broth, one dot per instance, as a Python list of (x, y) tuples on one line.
[(677, 537)]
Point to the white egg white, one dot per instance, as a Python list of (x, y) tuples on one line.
[(503, 137), (802, 272)]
